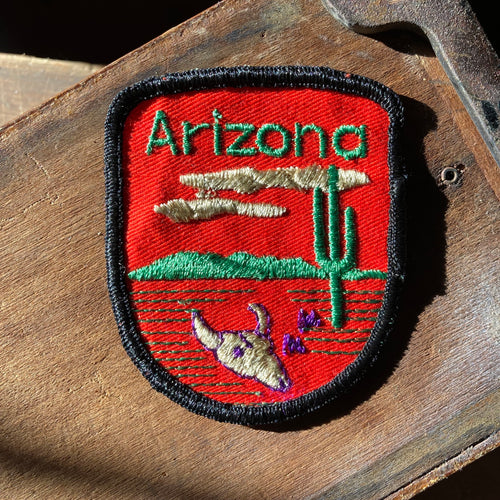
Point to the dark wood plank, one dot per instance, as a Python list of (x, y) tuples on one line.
[(79, 421), (453, 465)]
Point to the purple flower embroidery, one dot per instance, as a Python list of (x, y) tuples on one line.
[(305, 320), (292, 344)]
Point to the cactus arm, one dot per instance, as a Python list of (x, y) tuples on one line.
[(349, 261)]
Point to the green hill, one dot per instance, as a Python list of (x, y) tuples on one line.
[(195, 265)]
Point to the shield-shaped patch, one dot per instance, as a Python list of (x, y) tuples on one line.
[(254, 234)]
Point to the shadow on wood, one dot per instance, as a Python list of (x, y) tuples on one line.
[(425, 270)]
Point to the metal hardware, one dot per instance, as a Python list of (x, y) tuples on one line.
[(458, 41)]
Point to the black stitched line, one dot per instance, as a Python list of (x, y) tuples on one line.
[(267, 77)]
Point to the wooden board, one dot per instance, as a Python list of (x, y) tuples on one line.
[(26, 82), (79, 421)]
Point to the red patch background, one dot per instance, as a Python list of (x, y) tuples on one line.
[(153, 179)]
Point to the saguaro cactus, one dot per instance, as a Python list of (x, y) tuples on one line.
[(329, 258)]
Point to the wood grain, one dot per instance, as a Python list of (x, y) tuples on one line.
[(446, 469), (79, 421), (26, 82)]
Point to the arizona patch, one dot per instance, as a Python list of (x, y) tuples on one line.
[(254, 241)]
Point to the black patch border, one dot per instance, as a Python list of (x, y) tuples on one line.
[(237, 77)]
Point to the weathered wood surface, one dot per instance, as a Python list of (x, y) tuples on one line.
[(77, 418), (446, 469), (26, 82)]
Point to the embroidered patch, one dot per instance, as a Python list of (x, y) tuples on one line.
[(254, 235)]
